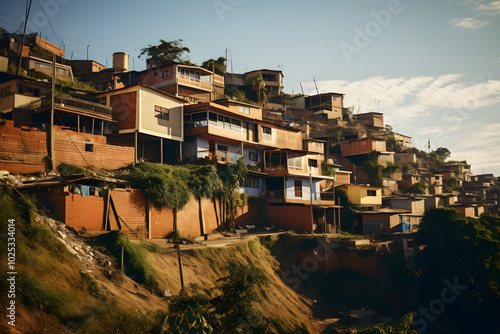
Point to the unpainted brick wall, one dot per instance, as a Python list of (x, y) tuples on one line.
[(22, 149), (296, 217)]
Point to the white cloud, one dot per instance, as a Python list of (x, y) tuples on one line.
[(493, 8), (468, 23), (446, 109)]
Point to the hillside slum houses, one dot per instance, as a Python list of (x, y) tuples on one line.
[(313, 164)]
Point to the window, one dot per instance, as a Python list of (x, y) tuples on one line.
[(162, 113), (251, 182), (298, 188), (103, 100), (253, 156), (5, 91), (155, 74), (89, 147), (266, 132), (295, 162), (245, 110), (316, 144), (371, 193), (222, 148), (313, 163), (363, 143), (165, 74), (378, 144), (336, 99)]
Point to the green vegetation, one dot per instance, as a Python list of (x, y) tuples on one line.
[(327, 169), (231, 311), (452, 184), (69, 169), (136, 265), (259, 89), (373, 169), (218, 66), (166, 51), (241, 96), (416, 188), (403, 327)]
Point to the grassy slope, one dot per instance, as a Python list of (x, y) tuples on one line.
[(52, 293), (204, 267)]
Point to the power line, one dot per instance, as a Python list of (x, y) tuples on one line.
[(50, 24)]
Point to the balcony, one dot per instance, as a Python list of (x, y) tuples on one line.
[(219, 156), (73, 105), (304, 197), (193, 82)]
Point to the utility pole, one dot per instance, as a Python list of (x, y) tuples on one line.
[(28, 9), (51, 131)]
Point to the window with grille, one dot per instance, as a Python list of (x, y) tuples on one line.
[(162, 113)]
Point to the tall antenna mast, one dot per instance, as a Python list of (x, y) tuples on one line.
[(314, 79)]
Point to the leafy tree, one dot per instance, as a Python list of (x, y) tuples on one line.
[(230, 311), (373, 169), (416, 188), (166, 187), (466, 248), (442, 153), (452, 184), (218, 66), (166, 51), (241, 96), (388, 129)]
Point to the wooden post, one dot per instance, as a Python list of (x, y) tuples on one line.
[(180, 151), (102, 128), (324, 257), (148, 215), (121, 258), (78, 122), (135, 147), (338, 211), (311, 202), (161, 151)]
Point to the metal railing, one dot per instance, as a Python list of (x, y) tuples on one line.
[(305, 195), (71, 103), (222, 156), (194, 82)]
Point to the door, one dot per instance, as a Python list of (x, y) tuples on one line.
[(211, 149), (298, 189)]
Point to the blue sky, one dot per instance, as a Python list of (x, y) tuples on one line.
[(433, 65)]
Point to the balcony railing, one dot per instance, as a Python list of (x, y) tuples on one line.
[(66, 102), (193, 82), (221, 156), (292, 194)]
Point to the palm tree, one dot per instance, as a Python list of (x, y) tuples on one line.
[(259, 87), (204, 183)]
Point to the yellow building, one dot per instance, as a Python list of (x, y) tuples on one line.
[(366, 196)]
